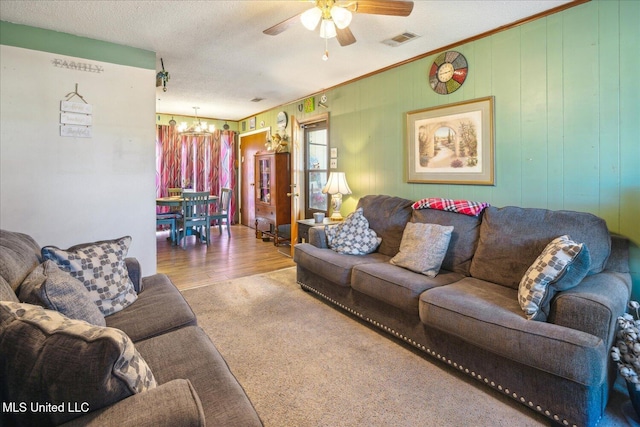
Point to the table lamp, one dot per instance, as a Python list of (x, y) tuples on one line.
[(336, 186)]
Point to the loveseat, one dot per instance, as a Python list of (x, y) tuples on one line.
[(72, 373), (469, 315)]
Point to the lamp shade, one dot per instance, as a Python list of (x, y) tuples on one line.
[(341, 16), (327, 29), (337, 183), (311, 18)]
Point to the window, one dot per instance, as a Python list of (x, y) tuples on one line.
[(316, 139)]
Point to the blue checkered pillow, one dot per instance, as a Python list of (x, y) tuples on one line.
[(562, 265), (352, 236), (101, 268)]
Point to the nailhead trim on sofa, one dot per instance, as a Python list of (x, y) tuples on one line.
[(433, 353)]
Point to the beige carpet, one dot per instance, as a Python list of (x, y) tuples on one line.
[(303, 363)]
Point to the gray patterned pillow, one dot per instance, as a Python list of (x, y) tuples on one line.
[(352, 236), (423, 247), (562, 265), (100, 266), (55, 289), (47, 357)]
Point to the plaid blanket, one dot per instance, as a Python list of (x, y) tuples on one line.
[(465, 207)]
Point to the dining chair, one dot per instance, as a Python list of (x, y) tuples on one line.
[(195, 216), (222, 211), (170, 218), (174, 192)]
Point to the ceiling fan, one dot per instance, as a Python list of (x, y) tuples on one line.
[(334, 17)]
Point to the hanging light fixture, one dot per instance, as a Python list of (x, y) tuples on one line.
[(329, 16), (197, 128)]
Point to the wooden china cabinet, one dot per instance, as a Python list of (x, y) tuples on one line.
[(273, 203)]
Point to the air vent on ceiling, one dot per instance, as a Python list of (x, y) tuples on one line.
[(257, 99), (400, 39)]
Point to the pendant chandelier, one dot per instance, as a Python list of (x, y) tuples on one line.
[(197, 128)]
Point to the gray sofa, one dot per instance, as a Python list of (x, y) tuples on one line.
[(194, 383), (469, 317)]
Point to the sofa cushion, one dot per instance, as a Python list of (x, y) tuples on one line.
[(352, 236), (397, 286), (19, 254), (57, 290), (464, 238), (331, 265), (174, 403), (188, 353), (387, 216), (511, 239), (101, 267), (6, 293), (423, 248), (48, 358), (488, 315), (560, 266), (160, 308)]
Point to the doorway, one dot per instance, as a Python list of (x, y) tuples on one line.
[(316, 165)]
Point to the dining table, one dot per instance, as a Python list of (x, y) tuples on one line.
[(176, 201)]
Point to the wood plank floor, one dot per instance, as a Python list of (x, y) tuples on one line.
[(225, 258)]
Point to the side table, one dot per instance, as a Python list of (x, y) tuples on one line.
[(305, 224)]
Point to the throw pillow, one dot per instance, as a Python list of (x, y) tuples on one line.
[(100, 266), (57, 290), (562, 265), (352, 236), (423, 247), (48, 358), (465, 207)]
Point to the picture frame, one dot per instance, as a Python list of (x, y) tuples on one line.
[(451, 144), (252, 123)]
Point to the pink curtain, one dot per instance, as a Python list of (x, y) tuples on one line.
[(203, 163)]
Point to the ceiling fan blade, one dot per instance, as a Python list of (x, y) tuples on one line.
[(345, 36), (383, 7), (282, 26)]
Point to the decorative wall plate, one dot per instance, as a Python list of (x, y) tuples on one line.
[(448, 72)]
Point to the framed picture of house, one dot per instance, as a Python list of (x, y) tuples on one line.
[(451, 144)]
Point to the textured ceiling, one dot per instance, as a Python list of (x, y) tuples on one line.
[(219, 59)]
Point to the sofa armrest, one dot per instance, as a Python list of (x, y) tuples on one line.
[(135, 273), (174, 403), (317, 237), (594, 305)]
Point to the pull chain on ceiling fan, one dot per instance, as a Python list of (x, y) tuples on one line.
[(334, 17)]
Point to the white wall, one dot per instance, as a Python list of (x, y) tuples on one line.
[(64, 191)]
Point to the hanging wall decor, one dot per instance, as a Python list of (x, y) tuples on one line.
[(448, 72), (452, 144), (76, 117)]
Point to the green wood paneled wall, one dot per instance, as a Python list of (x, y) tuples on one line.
[(567, 114), (67, 44)]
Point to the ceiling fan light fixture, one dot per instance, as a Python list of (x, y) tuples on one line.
[(341, 17), (327, 29), (311, 18)]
